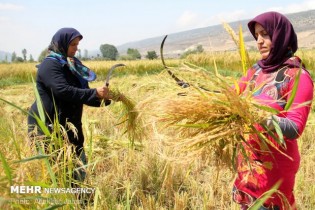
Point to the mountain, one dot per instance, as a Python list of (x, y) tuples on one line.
[(216, 38)]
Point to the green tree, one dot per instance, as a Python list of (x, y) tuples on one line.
[(43, 55), (13, 57), (24, 52), (109, 52), (198, 49), (133, 53), (151, 55), (6, 58), (85, 54), (126, 58), (19, 59), (31, 58)]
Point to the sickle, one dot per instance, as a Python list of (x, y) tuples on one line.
[(111, 71), (181, 83), (178, 81)]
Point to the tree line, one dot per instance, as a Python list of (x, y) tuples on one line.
[(18, 59), (108, 52)]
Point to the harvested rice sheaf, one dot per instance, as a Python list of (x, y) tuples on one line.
[(129, 118), (208, 122)]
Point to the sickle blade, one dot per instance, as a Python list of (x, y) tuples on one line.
[(181, 83), (111, 71), (161, 52)]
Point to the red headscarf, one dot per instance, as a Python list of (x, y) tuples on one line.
[(283, 38)]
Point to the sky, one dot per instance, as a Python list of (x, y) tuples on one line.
[(30, 24)]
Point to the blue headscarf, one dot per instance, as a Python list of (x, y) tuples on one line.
[(61, 40), (58, 50)]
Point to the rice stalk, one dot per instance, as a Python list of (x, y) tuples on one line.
[(243, 52), (231, 32), (7, 169), (294, 90), (129, 117), (240, 44), (271, 193)]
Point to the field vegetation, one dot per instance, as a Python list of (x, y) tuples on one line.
[(140, 175)]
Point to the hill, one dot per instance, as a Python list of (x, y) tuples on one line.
[(215, 38)]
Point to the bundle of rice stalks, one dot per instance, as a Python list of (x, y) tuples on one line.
[(129, 118), (212, 123)]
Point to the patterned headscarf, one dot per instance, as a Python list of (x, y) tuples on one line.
[(283, 38), (58, 50)]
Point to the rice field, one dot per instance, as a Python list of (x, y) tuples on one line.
[(137, 174)]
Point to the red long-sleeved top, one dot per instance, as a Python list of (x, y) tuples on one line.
[(268, 166)]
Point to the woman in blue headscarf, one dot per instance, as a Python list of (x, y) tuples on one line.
[(62, 84)]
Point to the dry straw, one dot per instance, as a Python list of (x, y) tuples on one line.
[(214, 123)]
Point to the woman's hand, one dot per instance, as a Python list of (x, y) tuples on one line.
[(270, 120), (103, 93)]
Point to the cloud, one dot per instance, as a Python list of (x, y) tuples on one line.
[(4, 19), (237, 15), (188, 20), (297, 7), (10, 7), (226, 17)]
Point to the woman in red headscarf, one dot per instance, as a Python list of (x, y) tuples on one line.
[(271, 80)]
